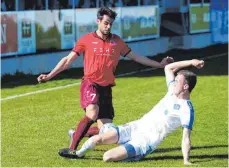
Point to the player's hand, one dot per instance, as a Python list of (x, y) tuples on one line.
[(167, 60), (198, 63), (43, 78)]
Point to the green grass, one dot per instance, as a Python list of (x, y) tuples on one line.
[(34, 128)]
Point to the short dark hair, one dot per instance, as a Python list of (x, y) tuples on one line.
[(190, 77), (106, 11)]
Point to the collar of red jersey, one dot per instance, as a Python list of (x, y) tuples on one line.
[(96, 35)]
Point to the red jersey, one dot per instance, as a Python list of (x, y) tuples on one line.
[(101, 57)]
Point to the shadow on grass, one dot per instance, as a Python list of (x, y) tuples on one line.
[(178, 157), (217, 156), (214, 66), (162, 150), (204, 157), (100, 150)]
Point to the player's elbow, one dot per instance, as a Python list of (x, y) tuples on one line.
[(167, 68), (65, 62), (134, 58), (68, 60)]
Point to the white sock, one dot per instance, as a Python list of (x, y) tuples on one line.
[(89, 144)]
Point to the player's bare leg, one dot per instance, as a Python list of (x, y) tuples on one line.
[(102, 121), (115, 154), (94, 130), (109, 137)]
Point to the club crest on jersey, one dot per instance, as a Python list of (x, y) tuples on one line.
[(112, 42), (176, 107)]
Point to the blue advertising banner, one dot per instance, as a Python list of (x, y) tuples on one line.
[(26, 32), (67, 22), (219, 20)]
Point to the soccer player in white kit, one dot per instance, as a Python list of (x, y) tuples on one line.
[(141, 137)]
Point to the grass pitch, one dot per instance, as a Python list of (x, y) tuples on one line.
[(34, 127)]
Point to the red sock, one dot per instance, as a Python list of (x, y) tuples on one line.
[(92, 131), (81, 130)]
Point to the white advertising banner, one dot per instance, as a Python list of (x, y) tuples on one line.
[(116, 27), (48, 29), (85, 21), (139, 23)]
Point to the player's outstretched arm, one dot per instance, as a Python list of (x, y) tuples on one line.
[(170, 69), (148, 62), (186, 145), (182, 64), (62, 65)]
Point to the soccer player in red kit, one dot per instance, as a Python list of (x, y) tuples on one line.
[(101, 51)]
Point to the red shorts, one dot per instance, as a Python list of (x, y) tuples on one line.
[(92, 93)]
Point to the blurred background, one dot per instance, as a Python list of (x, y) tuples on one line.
[(36, 34)]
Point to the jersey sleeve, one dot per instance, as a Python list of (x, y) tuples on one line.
[(125, 49), (170, 85), (187, 117), (79, 47), (170, 80)]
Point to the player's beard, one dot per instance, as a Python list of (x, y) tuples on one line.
[(105, 32)]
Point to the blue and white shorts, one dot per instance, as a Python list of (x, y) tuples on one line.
[(136, 144)]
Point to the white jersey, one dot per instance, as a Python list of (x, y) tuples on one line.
[(145, 134), (169, 114)]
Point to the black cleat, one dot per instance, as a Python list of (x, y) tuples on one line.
[(67, 153)]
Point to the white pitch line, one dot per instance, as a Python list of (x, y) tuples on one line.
[(74, 84), (134, 72), (39, 91), (215, 56)]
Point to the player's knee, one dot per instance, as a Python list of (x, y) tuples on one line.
[(92, 111), (107, 157), (97, 139)]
